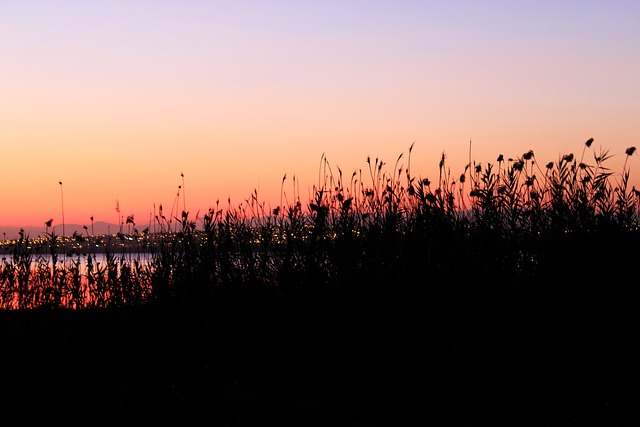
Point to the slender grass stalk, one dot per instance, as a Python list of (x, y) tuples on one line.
[(184, 195)]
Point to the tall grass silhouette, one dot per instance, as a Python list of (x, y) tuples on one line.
[(497, 296), (369, 227)]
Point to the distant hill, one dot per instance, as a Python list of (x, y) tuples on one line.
[(99, 228)]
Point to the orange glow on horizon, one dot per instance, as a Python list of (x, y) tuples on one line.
[(116, 102)]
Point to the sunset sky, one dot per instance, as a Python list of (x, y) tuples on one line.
[(117, 99)]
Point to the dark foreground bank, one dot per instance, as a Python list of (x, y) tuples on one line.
[(567, 355)]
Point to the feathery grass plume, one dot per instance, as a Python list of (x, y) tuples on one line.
[(118, 218), (130, 222), (587, 144), (625, 201), (277, 210), (629, 152)]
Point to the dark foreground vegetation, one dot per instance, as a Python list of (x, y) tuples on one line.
[(507, 295)]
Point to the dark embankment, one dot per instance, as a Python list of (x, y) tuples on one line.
[(470, 334)]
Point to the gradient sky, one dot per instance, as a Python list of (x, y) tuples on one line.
[(117, 99)]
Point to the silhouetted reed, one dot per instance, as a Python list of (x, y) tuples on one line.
[(362, 235)]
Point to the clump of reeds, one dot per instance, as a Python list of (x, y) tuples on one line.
[(358, 236)]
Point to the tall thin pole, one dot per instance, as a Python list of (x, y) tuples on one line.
[(62, 202)]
